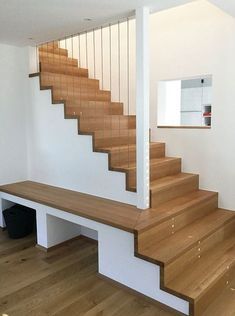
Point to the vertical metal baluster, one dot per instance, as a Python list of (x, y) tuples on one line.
[(53, 61), (110, 73), (87, 68), (94, 55), (66, 72), (119, 89), (72, 81), (86, 53), (60, 74), (102, 62), (80, 80), (128, 85), (37, 59), (102, 57)]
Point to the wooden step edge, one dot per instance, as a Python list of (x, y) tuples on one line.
[(153, 163), (70, 70), (67, 61), (175, 181), (56, 51), (71, 77), (144, 226)]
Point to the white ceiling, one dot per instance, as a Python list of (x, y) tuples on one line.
[(45, 20), (226, 5)]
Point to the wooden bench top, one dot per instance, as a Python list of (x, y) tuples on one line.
[(116, 214)]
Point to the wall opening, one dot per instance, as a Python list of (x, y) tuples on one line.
[(185, 102)]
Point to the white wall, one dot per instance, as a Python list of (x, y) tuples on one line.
[(198, 39), (13, 98)]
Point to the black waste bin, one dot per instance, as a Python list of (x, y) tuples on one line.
[(20, 221)]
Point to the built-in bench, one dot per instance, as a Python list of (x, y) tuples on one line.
[(64, 214)]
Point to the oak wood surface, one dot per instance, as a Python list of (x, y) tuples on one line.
[(62, 282)]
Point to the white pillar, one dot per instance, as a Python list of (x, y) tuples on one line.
[(142, 106)]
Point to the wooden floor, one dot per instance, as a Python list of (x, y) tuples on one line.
[(61, 282)]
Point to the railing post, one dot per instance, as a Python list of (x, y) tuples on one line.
[(142, 106)]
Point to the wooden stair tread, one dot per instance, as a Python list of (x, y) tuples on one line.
[(64, 78), (60, 58), (132, 146), (155, 216), (173, 180), (115, 133), (206, 270), (169, 249), (63, 69), (154, 162), (54, 50)]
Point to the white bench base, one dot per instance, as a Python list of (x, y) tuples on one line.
[(115, 249)]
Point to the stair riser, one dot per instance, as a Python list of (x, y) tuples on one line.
[(156, 172), (165, 169), (57, 60), (111, 108), (115, 141), (70, 95), (112, 123), (174, 224), (160, 196), (62, 81), (88, 112), (55, 51), (123, 156), (79, 72), (53, 44)]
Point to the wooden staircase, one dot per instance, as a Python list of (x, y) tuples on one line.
[(184, 231)]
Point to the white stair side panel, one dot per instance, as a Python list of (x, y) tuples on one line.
[(58, 156)]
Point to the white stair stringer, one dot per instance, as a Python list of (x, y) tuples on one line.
[(58, 156)]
